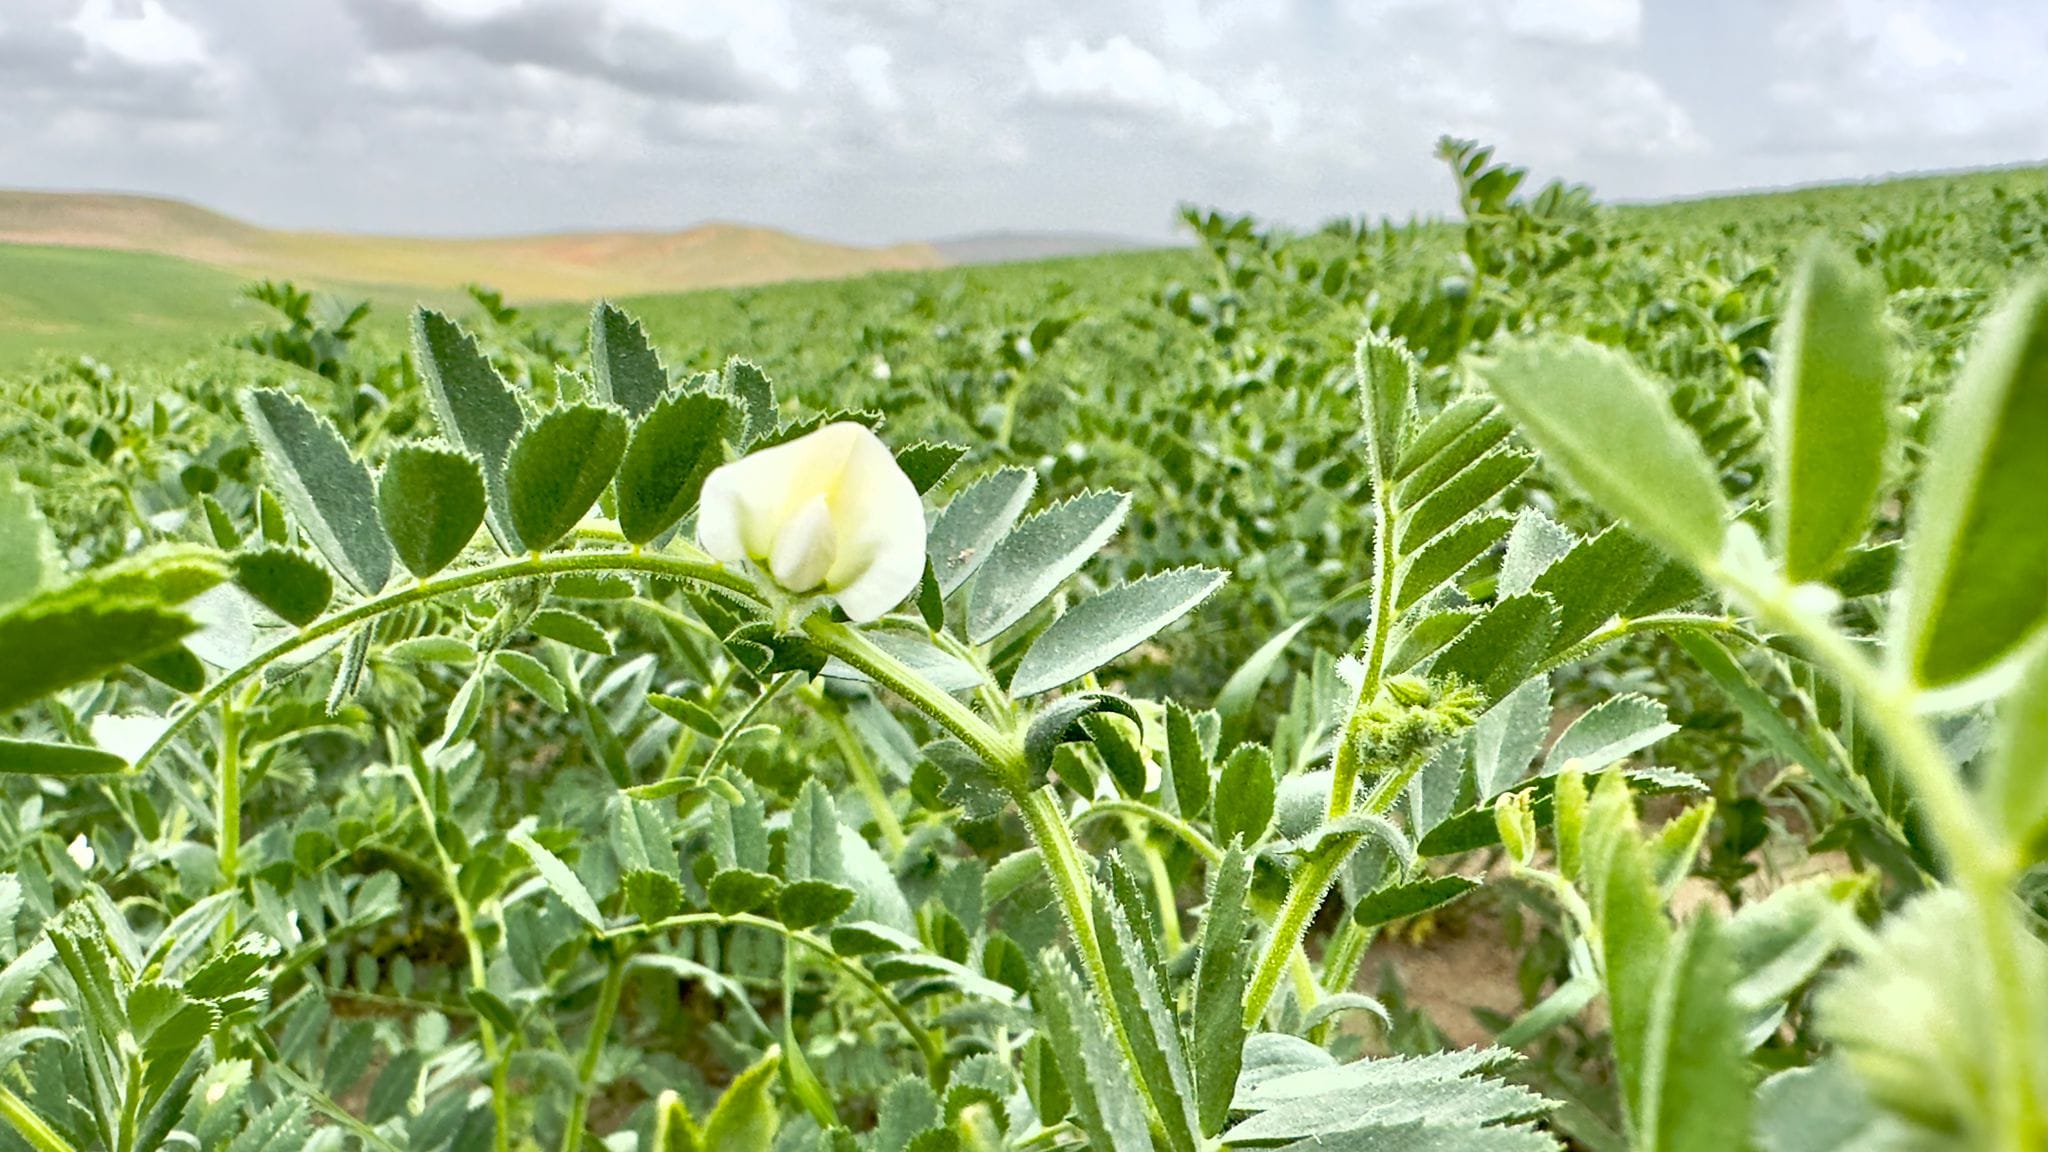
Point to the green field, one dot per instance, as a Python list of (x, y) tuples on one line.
[(1565, 677), (68, 301)]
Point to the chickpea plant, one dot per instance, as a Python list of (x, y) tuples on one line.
[(989, 899)]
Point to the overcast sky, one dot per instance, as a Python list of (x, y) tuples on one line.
[(878, 120)]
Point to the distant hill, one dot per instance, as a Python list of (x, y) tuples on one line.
[(561, 266), (1005, 247)]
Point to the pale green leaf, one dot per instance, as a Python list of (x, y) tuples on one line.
[(559, 467), (560, 879), (1832, 412), (1976, 574), (1609, 733), (325, 487), (1104, 627), (432, 499), (627, 370), (28, 555), (2016, 786), (675, 446), (1610, 430), (970, 525), (1036, 557), (474, 407)]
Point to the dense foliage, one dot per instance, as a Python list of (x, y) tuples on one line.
[(1653, 592)]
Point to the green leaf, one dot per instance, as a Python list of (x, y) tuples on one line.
[(927, 463), (1609, 429), (1244, 795), (1609, 733), (326, 488), (1405, 901), (745, 1119), (559, 877), (1448, 556), (1692, 1093), (34, 758), (813, 849), (1187, 761), (1597, 580), (1635, 942), (1464, 494), (628, 371), (1976, 578), (2016, 786), (1116, 741), (80, 632), (1496, 654), (809, 903), (1446, 428), (1100, 629), (1059, 723), (688, 713), (474, 407), (559, 467), (737, 890), (866, 938), (970, 525), (432, 500), (28, 555), (674, 448), (1036, 557), (1386, 398), (1149, 1023), (572, 628), (1106, 1097), (534, 676), (749, 385), (1221, 973), (1832, 412), (288, 583)]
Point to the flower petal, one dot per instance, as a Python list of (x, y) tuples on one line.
[(744, 503), (880, 518), (804, 548)]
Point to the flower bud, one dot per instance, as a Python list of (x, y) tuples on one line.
[(1514, 816)]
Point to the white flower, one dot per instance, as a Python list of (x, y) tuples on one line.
[(80, 852), (828, 512)]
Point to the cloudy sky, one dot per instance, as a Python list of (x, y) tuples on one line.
[(881, 120)]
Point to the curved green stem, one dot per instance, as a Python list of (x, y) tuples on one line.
[(593, 1049), (928, 1048), (521, 568), (999, 750), (1983, 861), (1183, 831)]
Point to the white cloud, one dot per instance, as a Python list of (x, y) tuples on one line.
[(894, 119), (1121, 76), (1575, 21), (140, 33), (868, 68)]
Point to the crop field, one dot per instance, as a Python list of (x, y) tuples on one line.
[(1564, 676)]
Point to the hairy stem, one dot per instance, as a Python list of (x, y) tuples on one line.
[(1983, 862), (593, 1049), (927, 1046), (521, 568)]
